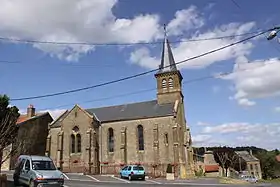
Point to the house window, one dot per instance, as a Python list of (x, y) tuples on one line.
[(166, 138), (164, 84), (110, 140), (251, 167), (76, 141), (140, 137), (170, 82)]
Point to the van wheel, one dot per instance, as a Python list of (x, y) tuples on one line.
[(16, 182), (31, 183)]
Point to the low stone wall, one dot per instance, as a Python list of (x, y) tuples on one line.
[(3, 180)]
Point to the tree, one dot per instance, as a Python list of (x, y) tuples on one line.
[(8, 128)]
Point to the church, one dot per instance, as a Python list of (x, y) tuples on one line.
[(151, 133)]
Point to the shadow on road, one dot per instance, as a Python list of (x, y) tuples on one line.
[(10, 184)]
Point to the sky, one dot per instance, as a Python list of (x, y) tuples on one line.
[(241, 108)]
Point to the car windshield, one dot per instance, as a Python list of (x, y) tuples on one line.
[(140, 168), (42, 165)]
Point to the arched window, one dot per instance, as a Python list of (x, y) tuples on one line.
[(110, 140), (140, 137), (73, 143), (170, 82), (163, 84), (76, 141), (79, 143)]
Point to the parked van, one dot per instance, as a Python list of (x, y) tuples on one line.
[(37, 171)]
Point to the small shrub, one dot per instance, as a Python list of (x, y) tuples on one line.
[(199, 173), (169, 169)]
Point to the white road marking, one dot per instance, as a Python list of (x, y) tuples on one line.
[(65, 185), (93, 178), (65, 176), (153, 181), (120, 179)]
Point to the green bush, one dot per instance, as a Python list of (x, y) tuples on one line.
[(199, 173), (169, 168)]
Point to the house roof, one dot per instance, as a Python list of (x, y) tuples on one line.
[(24, 117), (24, 120), (211, 168), (146, 109), (245, 155)]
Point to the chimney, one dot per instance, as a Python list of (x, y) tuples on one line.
[(30, 111)]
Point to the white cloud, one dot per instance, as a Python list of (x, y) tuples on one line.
[(201, 138), (246, 102), (179, 24), (277, 109), (257, 79), (237, 134), (216, 89), (202, 123), (187, 50), (54, 113), (74, 21)]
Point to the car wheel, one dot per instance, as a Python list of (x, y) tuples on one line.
[(143, 178), (121, 176), (129, 177)]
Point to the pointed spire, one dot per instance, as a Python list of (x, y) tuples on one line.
[(167, 59)]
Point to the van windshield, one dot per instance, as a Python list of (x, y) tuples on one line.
[(43, 165)]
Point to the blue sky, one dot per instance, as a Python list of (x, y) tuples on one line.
[(239, 109)]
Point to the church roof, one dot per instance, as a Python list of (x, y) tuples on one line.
[(167, 60), (245, 155), (146, 109)]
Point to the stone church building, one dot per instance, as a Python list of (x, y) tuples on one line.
[(151, 133)]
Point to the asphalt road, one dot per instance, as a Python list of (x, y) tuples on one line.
[(76, 180)]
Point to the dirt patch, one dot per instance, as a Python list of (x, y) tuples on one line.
[(232, 181)]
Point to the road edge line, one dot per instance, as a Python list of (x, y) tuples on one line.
[(120, 179), (93, 178), (153, 181), (65, 176)]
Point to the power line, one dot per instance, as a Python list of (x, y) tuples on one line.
[(121, 44), (153, 89), (140, 74)]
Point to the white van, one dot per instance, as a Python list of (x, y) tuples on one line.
[(37, 171)]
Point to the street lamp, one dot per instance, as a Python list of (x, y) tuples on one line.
[(273, 33)]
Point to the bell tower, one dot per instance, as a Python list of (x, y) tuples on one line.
[(169, 79)]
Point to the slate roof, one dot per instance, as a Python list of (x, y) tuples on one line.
[(245, 155), (146, 109)]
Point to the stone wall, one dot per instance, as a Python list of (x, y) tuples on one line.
[(31, 138), (85, 161), (158, 145)]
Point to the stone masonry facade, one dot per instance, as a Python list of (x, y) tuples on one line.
[(151, 133)]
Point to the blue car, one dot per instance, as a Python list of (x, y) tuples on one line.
[(133, 172)]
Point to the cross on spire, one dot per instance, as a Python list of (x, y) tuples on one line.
[(167, 60), (164, 29)]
